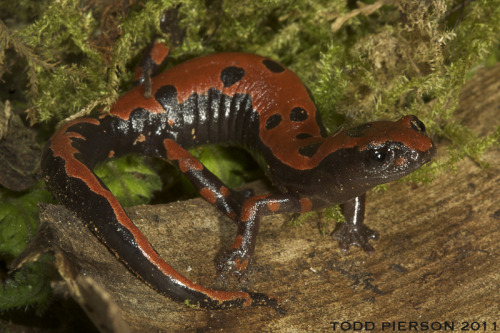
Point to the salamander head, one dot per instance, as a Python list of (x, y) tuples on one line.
[(371, 154), (355, 160), (386, 151)]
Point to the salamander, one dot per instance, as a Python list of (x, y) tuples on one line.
[(236, 99)]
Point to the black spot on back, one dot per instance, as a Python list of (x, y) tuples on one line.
[(273, 121), (273, 66), (309, 150), (358, 131), (298, 114), (166, 96), (230, 75), (302, 136)]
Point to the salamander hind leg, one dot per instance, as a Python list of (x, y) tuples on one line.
[(354, 231), (241, 206), (208, 185)]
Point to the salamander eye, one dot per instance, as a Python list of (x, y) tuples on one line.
[(378, 155), (379, 158), (417, 125)]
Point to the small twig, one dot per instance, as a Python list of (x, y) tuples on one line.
[(366, 10), (461, 7)]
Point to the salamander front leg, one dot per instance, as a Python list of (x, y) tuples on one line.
[(354, 231), (239, 255)]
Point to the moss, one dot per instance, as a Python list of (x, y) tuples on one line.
[(405, 57), (28, 286)]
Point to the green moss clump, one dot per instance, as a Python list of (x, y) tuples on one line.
[(18, 224), (380, 60), (29, 286)]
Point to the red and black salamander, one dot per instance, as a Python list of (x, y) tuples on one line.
[(231, 98)]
